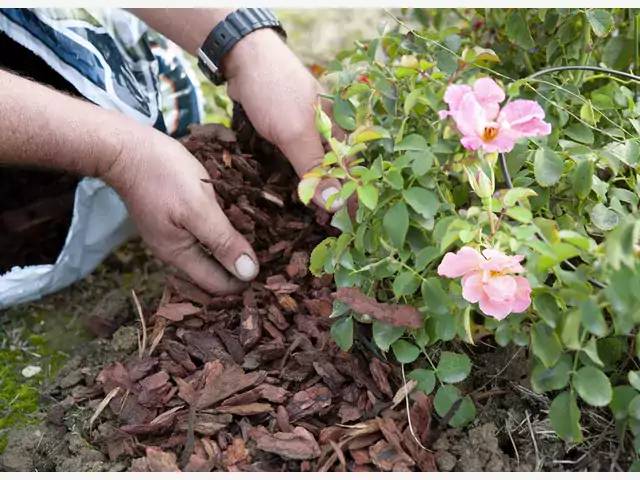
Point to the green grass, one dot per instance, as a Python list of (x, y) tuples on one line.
[(19, 396)]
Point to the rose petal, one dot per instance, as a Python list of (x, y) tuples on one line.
[(470, 117), (455, 265), (472, 290), (487, 90), (522, 299), (453, 95), (499, 262), (524, 119), (500, 288), (493, 309)]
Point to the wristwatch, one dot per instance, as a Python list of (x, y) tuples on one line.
[(228, 33)]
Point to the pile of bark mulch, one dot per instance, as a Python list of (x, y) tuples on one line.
[(36, 207), (254, 382)]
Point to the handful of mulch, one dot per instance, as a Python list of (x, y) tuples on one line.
[(254, 382)]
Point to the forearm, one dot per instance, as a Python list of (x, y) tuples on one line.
[(41, 126)]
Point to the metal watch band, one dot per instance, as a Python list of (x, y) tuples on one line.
[(228, 33)]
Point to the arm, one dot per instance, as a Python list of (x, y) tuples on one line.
[(40, 126)]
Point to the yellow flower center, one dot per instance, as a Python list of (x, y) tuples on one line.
[(489, 133)]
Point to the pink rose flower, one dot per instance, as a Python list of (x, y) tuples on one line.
[(489, 280), (482, 124)]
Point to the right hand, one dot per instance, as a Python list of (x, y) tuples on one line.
[(175, 211)]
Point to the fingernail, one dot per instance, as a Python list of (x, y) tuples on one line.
[(328, 193), (245, 267)]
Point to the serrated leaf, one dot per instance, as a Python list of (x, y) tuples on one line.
[(422, 162), (426, 256), (413, 142), (564, 416), (622, 396), (516, 194), (580, 133), (582, 178), (520, 214), (342, 333), (555, 378), (570, 335), (547, 167), (485, 54), (593, 386), (426, 380), (423, 201), (368, 195), (591, 318), (307, 189), (453, 367), (371, 133), (545, 344), (547, 307), (604, 218), (404, 351), (601, 21), (591, 349), (319, 255), (344, 113), (396, 223), (342, 221), (518, 30), (384, 334), (445, 398), (405, 284), (435, 298), (410, 101)]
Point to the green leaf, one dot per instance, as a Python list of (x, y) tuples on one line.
[(518, 30), (570, 329), (307, 188), (555, 378), (342, 221), (634, 408), (632, 152), (516, 194), (396, 223), (368, 195), (593, 386), (547, 167), (405, 284), (410, 101), (601, 21), (580, 133), (591, 318), (521, 214), (582, 179), (453, 367), (426, 380), (422, 162), (591, 349), (604, 218), (634, 379), (371, 133), (413, 142), (423, 201), (342, 333), (618, 53), (435, 298), (621, 398), (425, 257), (404, 351), (319, 255), (547, 307), (564, 416), (545, 344), (344, 113), (384, 334), (445, 398)]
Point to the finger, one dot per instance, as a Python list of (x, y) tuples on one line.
[(212, 227), (206, 272)]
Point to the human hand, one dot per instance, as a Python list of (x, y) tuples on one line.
[(278, 95), (176, 212)]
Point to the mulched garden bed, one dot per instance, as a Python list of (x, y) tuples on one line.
[(254, 382)]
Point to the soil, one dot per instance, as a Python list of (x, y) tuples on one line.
[(254, 382)]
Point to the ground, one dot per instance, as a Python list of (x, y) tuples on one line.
[(510, 433)]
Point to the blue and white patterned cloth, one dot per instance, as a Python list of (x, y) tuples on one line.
[(113, 60)]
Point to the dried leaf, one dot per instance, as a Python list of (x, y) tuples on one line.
[(297, 445), (397, 315)]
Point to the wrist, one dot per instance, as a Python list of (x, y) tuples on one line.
[(247, 50)]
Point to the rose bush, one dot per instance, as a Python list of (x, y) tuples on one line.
[(510, 214)]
